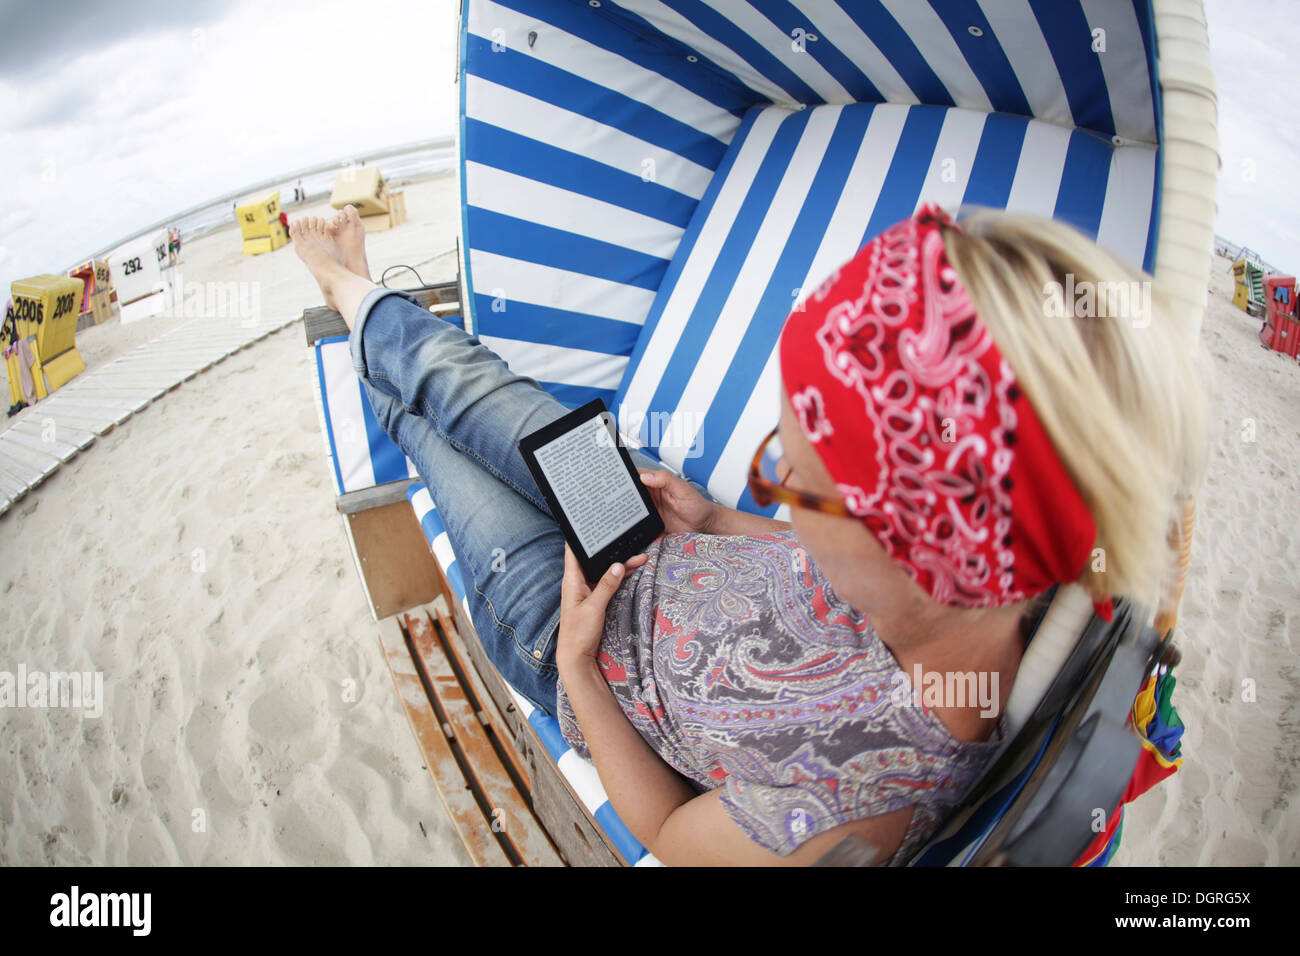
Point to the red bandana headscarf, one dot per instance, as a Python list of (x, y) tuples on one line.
[(900, 388)]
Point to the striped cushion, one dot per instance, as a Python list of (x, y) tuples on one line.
[(436, 532), (799, 192), (580, 773), (589, 134), (361, 454)]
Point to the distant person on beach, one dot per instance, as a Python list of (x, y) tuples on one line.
[(173, 245), (299, 194), (950, 454)]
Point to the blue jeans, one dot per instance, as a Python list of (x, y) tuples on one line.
[(457, 411)]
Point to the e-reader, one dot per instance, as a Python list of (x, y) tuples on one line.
[(593, 489)]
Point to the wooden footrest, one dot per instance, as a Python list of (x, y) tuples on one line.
[(466, 745)]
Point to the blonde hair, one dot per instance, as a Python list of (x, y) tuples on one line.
[(1121, 396)]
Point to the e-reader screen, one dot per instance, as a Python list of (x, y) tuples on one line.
[(589, 481), (586, 472)]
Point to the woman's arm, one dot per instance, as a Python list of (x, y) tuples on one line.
[(730, 521), (644, 790), (682, 508)]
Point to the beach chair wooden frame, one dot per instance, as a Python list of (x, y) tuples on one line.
[(555, 97)]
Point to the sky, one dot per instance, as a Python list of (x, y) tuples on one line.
[(114, 115)]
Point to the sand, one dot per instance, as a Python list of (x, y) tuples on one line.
[(193, 555)]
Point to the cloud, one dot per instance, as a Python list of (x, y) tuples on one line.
[(47, 34), (138, 126)]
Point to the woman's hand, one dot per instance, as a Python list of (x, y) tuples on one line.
[(681, 507), (582, 610)]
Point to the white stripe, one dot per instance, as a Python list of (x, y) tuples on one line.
[(1126, 213), (954, 158), (648, 860), (421, 503), (582, 776), (346, 418), (861, 192), (411, 470), (838, 27), (559, 288), (1039, 171), (781, 45), (674, 25), (582, 58), (929, 34), (1030, 57), (696, 269), (761, 414), (554, 363), (324, 426), (751, 283), (529, 116), (534, 201), (442, 551), (1124, 66)]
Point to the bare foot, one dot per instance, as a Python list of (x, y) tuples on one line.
[(350, 234), (318, 250)]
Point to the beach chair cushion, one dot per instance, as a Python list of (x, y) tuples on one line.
[(360, 453), (579, 772), (797, 194)]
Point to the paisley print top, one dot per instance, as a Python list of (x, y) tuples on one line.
[(737, 662)]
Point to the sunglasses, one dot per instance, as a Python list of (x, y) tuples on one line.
[(766, 491)]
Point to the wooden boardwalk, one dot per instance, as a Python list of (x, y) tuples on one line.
[(97, 401)]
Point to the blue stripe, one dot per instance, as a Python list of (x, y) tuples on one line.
[(715, 25), (454, 579), (575, 396), (787, 17), (532, 242), (541, 80), (502, 149), (907, 170), (892, 40), (325, 403), (1144, 17), (644, 45), (1068, 36), (548, 729), (684, 249), (731, 257), (387, 460), (996, 160), (791, 268), (525, 322), (984, 55), (1083, 182), (618, 833)]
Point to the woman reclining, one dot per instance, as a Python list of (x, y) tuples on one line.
[(957, 439)]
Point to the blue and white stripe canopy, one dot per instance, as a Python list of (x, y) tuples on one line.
[(649, 186)]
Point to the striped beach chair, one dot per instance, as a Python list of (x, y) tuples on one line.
[(649, 187)]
